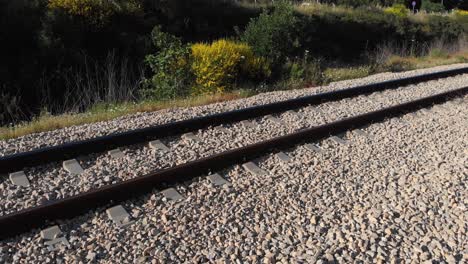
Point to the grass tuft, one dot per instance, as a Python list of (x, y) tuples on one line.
[(338, 74)]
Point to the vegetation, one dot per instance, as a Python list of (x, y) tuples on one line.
[(218, 65), (397, 10), (96, 12), (170, 67), (69, 56), (434, 7), (272, 35)]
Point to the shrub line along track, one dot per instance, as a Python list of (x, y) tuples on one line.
[(24, 220), (18, 161)]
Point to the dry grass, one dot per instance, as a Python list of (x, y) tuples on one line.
[(435, 58), (396, 63), (345, 73), (46, 122), (318, 8)]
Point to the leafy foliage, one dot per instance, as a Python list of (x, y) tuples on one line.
[(304, 71), (430, 6), (272, 35), (398, 10), (345, 33), (96, 11), (217, 65), (461, 16), (170, 67), (443, 27)]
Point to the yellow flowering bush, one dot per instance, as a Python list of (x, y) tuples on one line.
[(96, 11), (218, 64), (462, 17), (398, 10), (460, 12)]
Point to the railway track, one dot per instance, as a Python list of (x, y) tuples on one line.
[(301, 130), (51, 182), (19, 161), (299, 211), (24, 220)]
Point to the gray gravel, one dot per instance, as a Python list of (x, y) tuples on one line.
[(141, 120), (53, 182), (397, 196)]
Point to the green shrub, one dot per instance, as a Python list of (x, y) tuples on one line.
[(444, 27), (303, 72), (349, 34), (397, 64), (272, 35), (438, 53), (429, 6), (356, 3), (217, 65), (170, 67)]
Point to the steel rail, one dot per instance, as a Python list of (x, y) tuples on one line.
[(34, 217), (18, 161)]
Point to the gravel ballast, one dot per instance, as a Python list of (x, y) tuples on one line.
[(398, 195), (53, 182)]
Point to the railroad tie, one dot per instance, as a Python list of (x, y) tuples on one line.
[(275, 119), (19, 178), (53, 238), (361, 132), (116, 153), (73, 167), (339, 140), (401, 120), (119, 216), (317, 110), (313, 147), (191, 137), (253, 168), (217, 180), (294, 113), (283, 157), (158, 145), (221, 128), (426, 111), (172, 194), (248, 124)]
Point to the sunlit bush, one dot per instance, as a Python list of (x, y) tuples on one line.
[(398, 10), (461, 16), (96, 11), (459, 12), (217, 65)]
